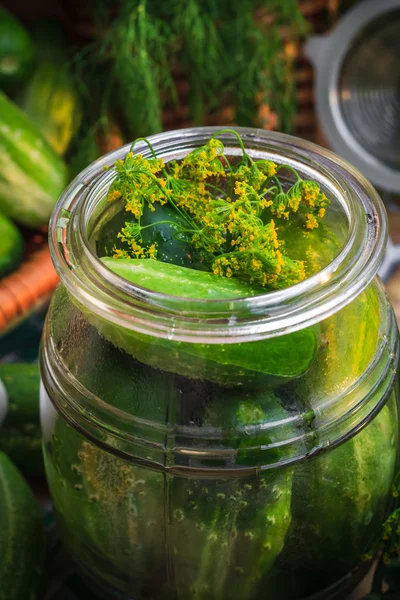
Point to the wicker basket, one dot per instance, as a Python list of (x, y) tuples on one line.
[(29, 287)]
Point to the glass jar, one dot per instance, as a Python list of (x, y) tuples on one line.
[(203, 449)]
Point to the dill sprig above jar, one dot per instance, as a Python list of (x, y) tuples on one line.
[(221, 210), (230, 57)]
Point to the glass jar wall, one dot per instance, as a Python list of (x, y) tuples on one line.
[(222, 449)]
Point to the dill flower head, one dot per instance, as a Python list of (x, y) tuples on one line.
[(226, 209)]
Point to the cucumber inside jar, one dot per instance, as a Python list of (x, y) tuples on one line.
[(341, 497), (122, 513), (266, 362)]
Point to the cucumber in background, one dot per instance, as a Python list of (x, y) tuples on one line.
[(20, 433), (32, 176), (50, 98), (265, 362), (11, 245), (16, 51), (22, 536)]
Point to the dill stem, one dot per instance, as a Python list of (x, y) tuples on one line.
[(237, 136), (279, 167), (143, 139), (215, 187), (279, 184), (269, 191), (164, 223), (158, 184)]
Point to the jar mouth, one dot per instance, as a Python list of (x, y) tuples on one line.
[(267, 315)]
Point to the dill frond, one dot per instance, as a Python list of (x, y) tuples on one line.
[(226, 211)]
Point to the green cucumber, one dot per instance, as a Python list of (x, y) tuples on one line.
[(11, 245), (110, 512), (180, 281), (170, 248), (163, 232), (341, 497), (227, 533), (22, 536), (340, 500), (50, 98), (114, 513), (266, 362), (342, 361), (32, 176), (20, 433), (16, 51), (316, 247)]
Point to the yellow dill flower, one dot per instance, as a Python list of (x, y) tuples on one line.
[(201, 188), (222, 210), (119, 253), (240, 189), (264, 203), (113, 195), (217, 269), (267, 167), (274, 234), (152, 251), (311, 221), (310, 193), (137, 250), (279, 262), (294, 203), (134, 207)]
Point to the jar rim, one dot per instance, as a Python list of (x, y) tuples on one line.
[(222, 321)]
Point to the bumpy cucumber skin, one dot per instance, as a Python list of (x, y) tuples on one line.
[(227, 534), (32, 176), (340, 500), (20, 434), (268, 362), (22, 536), (11, 246), (169, 248), (16, 51), (128, 525), (124, 522), (110, 513)]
